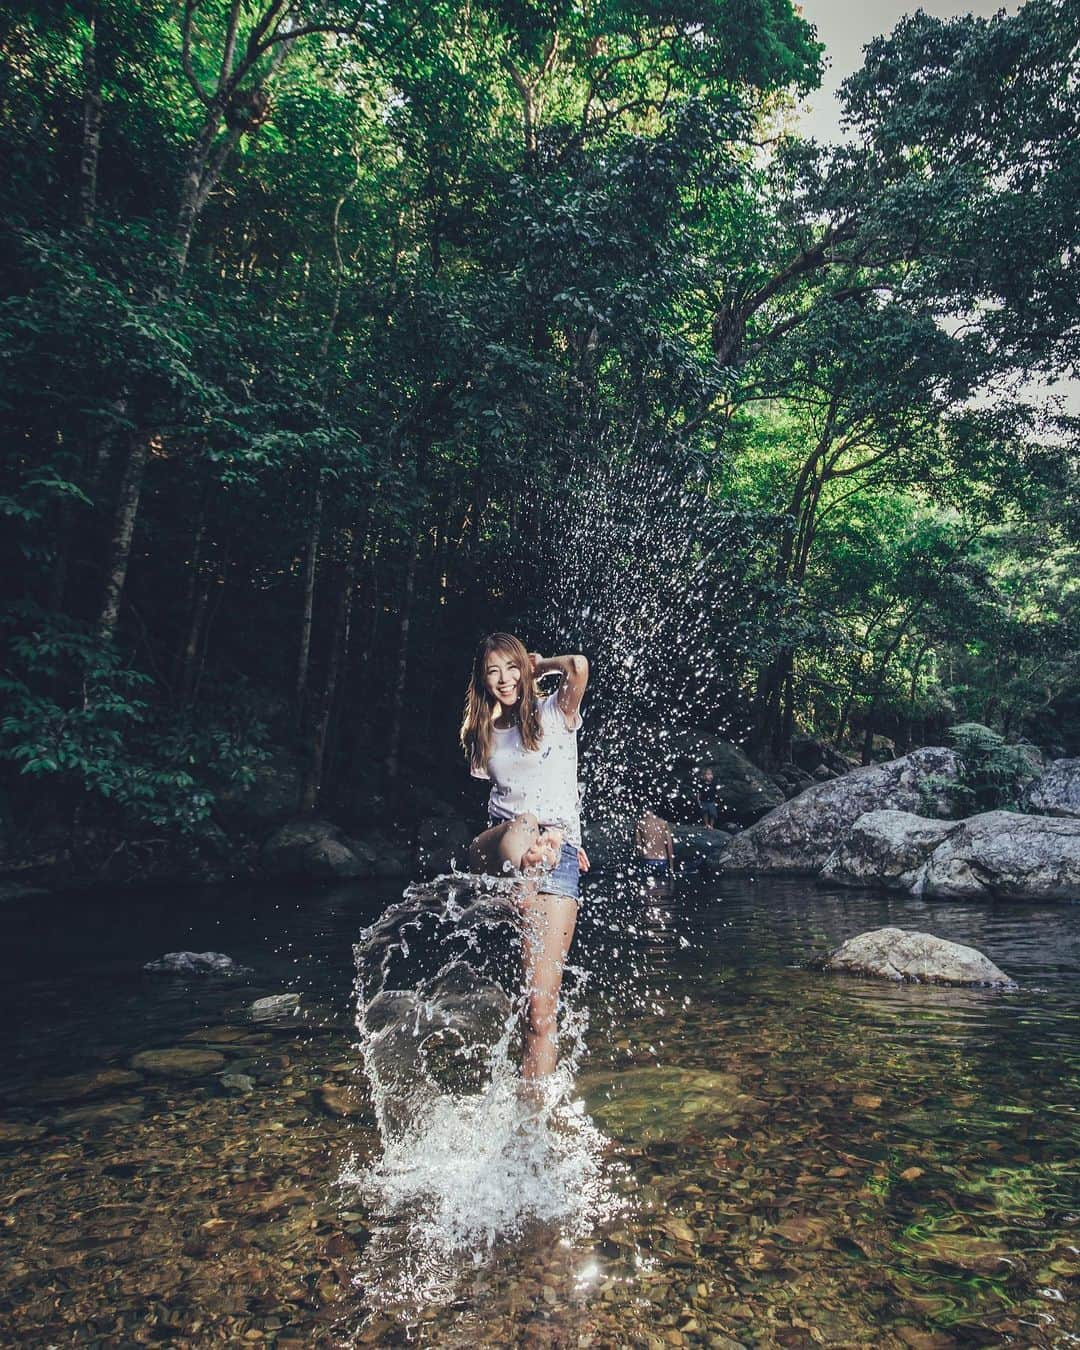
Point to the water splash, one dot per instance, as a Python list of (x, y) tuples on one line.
[(471, 1158)]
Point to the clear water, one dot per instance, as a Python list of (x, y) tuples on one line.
[(765, 1155)]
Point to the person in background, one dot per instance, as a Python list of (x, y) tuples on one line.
[(706, 798), (654, 848)]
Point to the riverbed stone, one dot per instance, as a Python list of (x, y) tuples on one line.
[(179, 1061), (18, 1133), (661, 1102), (1001, 855), (75, 1087), (904, 956), (799, 835), (101, 1114), (1056, 792), (195, 963), (348, 1101), (317, 849), (275, 1005), (883, 848)]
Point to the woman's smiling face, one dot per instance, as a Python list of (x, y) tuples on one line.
[(502, 678)]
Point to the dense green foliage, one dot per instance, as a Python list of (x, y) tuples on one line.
[(314, 313)]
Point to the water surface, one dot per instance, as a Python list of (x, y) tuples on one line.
[(788, 1158)]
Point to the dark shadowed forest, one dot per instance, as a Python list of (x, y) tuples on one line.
[(318, 318)]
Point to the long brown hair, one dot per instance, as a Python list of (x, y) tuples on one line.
[(476, 722)]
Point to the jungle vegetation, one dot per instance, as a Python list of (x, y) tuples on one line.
[(312, 310)]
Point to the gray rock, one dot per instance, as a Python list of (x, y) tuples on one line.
[(698, 849), (882, 848), (195, 963), (791, 780), (811, 754), (918, 958), (75, 1087), (275, 1005), (1057, 791), (317, 849), (101, 1114), (237, 1084), (742, 789), (1001, 855), (799, 835), (608, 841), (178, 1061)]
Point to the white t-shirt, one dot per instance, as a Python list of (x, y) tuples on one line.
[(543, 781)]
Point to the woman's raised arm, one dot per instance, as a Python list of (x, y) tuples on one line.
[(575, 676)]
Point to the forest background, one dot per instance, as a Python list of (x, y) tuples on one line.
[(318, 319)]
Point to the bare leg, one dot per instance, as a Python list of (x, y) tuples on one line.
[(549, 929), (514, 846)]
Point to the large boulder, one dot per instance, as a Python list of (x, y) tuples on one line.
[(799, 835), (1057, 791), (317, 849), (608, 840), (1004, 856), (698, 849), (916, 958), (883, 848), (744, 792)]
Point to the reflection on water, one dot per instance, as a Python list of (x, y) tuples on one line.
[(799, 1159)]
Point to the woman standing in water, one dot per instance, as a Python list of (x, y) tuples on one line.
[(526, 744)]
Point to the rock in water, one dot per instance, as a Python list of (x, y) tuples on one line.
[(1001, 855), (1057, 791), (742, 789), (178, 1062), (883, 848), (318, 849), (800, 835), (918, 958), (275, 1005), (195, 963)]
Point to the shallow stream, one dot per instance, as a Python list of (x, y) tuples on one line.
[(778, 1157)]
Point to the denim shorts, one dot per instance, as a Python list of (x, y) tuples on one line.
[(565, 877)]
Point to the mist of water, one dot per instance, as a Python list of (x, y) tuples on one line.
[(470, 1155)]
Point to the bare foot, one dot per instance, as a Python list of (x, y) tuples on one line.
[(545, 851)]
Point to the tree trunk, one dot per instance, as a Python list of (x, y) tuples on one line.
[(393, 753), (91, 138), (190, 657), (127, 508), (316, 767), (311, 563)]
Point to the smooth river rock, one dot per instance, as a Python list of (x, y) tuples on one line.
[(917, 958), (883, 848), (1001, 855), (275, 1005), (195, 963), (316, 849), (178, 1062), (801, 834), (75, 1087), (1056, 792)]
